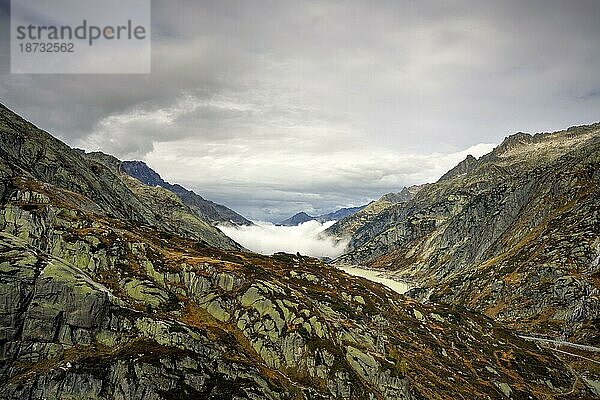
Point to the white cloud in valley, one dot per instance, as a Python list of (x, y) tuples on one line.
[(306, 239)]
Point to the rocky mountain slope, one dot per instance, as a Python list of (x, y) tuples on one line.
[(30, 152), (303, 217), (514, 235), (102, 300), (206, 209), (347, 227), (339, 214)]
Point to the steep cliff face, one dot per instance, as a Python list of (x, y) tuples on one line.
[(514, 235), (99, 305)]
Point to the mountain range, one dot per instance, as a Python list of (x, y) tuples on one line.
[(303, 217), (115, 289), (514, 234)]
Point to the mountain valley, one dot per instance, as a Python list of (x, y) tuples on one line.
[(114, 288)]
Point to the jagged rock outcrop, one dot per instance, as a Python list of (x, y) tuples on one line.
[(208, 210), (513, 234), (103, 306)]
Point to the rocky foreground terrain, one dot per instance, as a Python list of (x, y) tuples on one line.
[(110, 289)]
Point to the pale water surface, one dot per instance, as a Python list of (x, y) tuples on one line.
[(376, 276)]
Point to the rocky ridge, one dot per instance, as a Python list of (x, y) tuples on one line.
[(514, 235), (206, 209), (101, 309)]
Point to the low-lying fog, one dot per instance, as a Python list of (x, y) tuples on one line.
[(306, 239)]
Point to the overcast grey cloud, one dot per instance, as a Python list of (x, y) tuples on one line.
[(273, 107)]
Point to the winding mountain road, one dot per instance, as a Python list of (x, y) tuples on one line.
[(561, 343)]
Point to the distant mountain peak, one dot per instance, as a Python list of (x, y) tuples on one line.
[(297, 219), (302, 217), (212, 212), (142, 172)]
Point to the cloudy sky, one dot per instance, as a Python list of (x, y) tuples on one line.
[(273, 107)]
